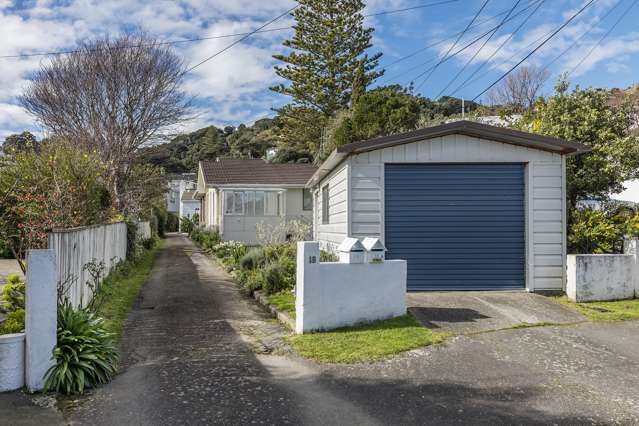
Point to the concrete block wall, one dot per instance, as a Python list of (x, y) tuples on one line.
[(598, 277), (335, 294)]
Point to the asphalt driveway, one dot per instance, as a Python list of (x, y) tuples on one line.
[(195, 352)]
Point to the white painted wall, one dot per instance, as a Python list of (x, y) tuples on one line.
[(333, 295), (545, 187), (11, 362), (597, 277), (331, 235)]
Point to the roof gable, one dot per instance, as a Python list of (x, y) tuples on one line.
[(255, 172)]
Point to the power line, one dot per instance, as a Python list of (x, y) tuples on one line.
[(623, 15), (443, 58), (498, 49), (194, 39), (239, 40), (536, 49), (388, 12), (440, 41), (478, 50)]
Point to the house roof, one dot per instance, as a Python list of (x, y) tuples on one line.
[(463, 127), (188, 196), (255, 172)]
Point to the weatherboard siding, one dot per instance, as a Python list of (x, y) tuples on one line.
[(332, 233), (544, 200)]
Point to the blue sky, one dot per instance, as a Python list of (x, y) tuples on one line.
[(233, 88)]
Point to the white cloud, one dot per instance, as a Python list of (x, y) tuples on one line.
[(14, 119)]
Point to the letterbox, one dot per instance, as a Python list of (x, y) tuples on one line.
[(351, 251), (375, 250)]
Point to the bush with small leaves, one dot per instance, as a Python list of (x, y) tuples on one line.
[(85, 355), (254, 258), (13, 294), (14, 323)]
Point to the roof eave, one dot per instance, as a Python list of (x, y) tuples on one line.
[(326, 167)]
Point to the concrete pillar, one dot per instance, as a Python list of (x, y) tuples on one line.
[(631, 247), (308, 282), (41, 316)]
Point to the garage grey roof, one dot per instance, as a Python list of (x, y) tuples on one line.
[(463, 127), (255, 172)]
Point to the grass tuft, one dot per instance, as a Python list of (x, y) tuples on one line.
[(618, 310), (369, 342), (121, 288), (284, 302)]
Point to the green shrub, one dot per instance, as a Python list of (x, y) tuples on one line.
[(131, 238), (254, 258), (205, 238), (253, 280), (85, 355), (13, 323), (188, 224), (13, 294), (172, 222), (149, 243), (327, 256), (592, 232), (274, 279)]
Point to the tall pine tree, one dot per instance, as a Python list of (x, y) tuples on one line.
[(328, 57)]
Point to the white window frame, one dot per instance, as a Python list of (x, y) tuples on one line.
[(233, 197)]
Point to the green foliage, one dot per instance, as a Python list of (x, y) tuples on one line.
[(587, 116), (205, 238), (149, 243), (160, 223), (85, 355), (273, 278), (254, 258), (592, 232), (13, 323), (13, 294), (188, 224), (379, 112), (61, 185), (23, 142), (327, 256), (328, 52), (172, 222)]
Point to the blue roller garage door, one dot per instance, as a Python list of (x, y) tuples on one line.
[(459, 226)]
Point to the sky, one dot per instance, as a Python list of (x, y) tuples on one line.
[(233, 87)]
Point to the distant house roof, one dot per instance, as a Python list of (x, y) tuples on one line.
[(463, 127), (188, 196), (255, 172)]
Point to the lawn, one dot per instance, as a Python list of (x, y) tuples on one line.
[(369, 342), (121, 288), (618, 310), (283, 302)]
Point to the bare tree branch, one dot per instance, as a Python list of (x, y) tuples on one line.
[(520, 89)]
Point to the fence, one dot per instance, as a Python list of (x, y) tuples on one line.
[(144, 231), (74, 248)]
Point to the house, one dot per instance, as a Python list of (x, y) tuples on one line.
[(470, 206), (178, 184), (188, 204), (238, 194)]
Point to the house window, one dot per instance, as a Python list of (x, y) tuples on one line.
[(307, 199), (252, 203), (325, 202), (234, 202)]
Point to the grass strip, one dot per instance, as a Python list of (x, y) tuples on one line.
[(618, 310), (284, 302), (368, 342), (121, 288)]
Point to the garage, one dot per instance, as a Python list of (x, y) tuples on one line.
[(470, 206), (459, 226)]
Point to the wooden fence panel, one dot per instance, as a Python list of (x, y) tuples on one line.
[(77, 247)]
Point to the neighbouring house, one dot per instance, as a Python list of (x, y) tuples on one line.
[(238, 194), (469, 206), (189, 204), (178, 185)]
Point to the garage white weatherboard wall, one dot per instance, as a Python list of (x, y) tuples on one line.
[(356, 195)]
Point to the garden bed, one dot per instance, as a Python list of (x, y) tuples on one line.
[(282, 306)]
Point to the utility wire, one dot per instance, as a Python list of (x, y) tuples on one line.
[(468, 62), (623, 15), (568, 21), (194, 39), (440, 41), (578, 40), (443, 58), (239, 40), (498, 49)]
